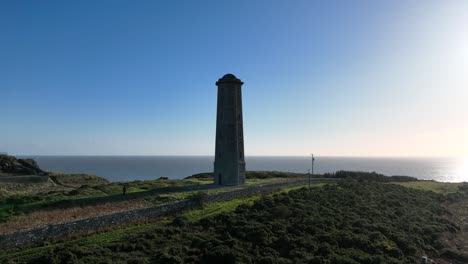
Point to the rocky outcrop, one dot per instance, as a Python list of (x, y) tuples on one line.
[(14, 166)]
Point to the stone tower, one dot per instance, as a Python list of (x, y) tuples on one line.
[(229, 165)]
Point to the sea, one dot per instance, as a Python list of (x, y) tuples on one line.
[(131, 168)]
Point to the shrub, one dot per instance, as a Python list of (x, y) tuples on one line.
[(200, 198)]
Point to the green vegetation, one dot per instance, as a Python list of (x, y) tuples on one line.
[(253, 175), (369, 176), (77, 179), (70, 196), (348, 222), (366, 218), (75, 190), (33, 254), (438, 187), (272, 174), (217, 208), (72, 190)]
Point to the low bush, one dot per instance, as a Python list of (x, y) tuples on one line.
[(254, 175), (370, 176), (200, 198)]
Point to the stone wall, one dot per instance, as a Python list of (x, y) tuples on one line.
[(127, 197), (87, 225)]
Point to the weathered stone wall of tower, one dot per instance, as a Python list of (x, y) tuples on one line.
[(229, 166)]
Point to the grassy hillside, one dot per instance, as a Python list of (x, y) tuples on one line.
[(351, 222), (438, 187), (18, 201), (73, 196), (253, 175)]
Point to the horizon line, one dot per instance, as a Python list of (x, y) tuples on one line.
[(254, 155)]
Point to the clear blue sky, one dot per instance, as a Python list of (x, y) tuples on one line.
[(358, 78)]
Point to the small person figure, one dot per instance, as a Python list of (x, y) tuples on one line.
[(124, 190)]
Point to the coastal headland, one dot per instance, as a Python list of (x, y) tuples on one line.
[(345, 217)]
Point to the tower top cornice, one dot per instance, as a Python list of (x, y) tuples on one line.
[(229, 78)]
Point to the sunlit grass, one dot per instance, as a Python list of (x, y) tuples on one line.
[(218, 208), (250, 182), (231, 205), (437, 187), (315, 185)]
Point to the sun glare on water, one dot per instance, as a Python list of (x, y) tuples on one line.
[(461, 174)]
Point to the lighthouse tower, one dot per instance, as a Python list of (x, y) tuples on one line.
[(229, 165)]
